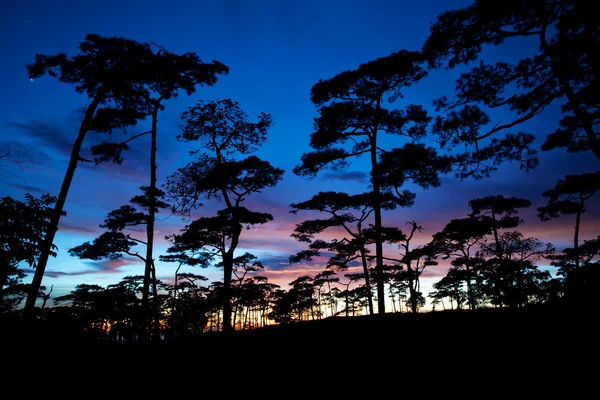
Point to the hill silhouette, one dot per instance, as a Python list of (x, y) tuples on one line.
[(533, 329)]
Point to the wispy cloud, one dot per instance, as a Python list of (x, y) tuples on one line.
[(23, 155), (45, 132), (354, 176), (79, 229), (26, 188)]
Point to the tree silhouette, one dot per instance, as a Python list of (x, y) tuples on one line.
[(581, 282), (569, 197), (327, 277), (113, 243), (451, 286), (416, 260), (339, 206), (560, 68), (351, 110), (166, 74), (296, 304), (108, 71), (182, 259), (224, 133), (254, 298), (263, 298), (514, 279), (242, 265), (86, 307), (347, 293), (125, 307), (498, 212), (304, 304), (24, 226), (188, 305), (510, 255), (460, 239)]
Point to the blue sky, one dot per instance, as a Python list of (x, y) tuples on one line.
[(276, 51)]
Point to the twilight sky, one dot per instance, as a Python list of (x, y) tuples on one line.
[(276, 51)]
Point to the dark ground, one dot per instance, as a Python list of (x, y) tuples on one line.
[(550, 346), (521, 328)]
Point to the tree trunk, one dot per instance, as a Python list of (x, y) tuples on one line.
[(226, 300), (156, 305), (378, 227), (150, 225), (496, 238), (58, 209), (348, 304), (470, 289), (576, 236), (411, 288), (234, 311), (363, 257)]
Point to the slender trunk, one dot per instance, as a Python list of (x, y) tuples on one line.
[(347, 303), (363, 257), (150, 224), (234, 312), (519, 290), (175, 306), (411, 288), (576, 236), (156, 304), (228, 272), (458, 305), (319, 303), (378, 226), (331, 300), (496, 238), (226, 299), (58, 209), (470, 288)]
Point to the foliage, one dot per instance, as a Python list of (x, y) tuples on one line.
[(23, 228), (225, 134), (352, 115), (113, 243), (560, 69)]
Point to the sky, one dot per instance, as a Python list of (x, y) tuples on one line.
[(275, 51)]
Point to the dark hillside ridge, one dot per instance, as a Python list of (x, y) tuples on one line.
[(542, 321)]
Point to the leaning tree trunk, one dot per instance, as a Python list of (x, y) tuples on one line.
[(58, 208)]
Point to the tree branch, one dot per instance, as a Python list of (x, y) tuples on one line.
[(135, 240), (534, 111), (135, 137)]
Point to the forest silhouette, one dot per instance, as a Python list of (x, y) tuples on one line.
[(494, 286)]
